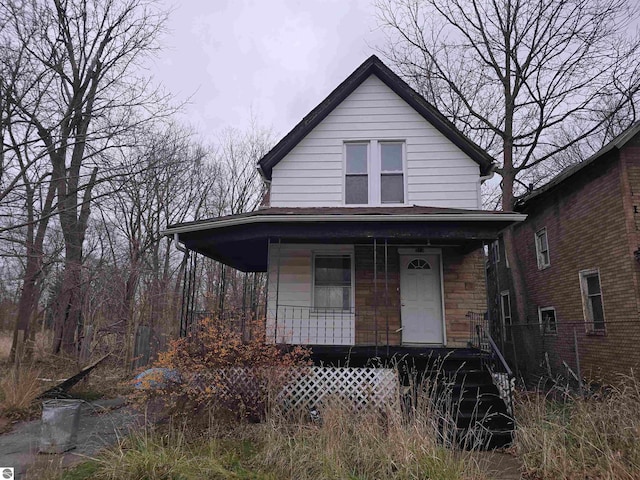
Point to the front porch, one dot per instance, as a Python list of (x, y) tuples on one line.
[(385, 276), (375, 294)]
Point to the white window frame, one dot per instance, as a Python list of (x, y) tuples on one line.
[(543, 327), (374, 172), (542, 264), (323, 310), (584, 293), (402, 172), (503, 318), (345, 174)]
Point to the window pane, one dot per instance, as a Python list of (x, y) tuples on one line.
[(333, 270), (549, 321), (392, 188), (333, 297), (506, 306), (597, 312), (356, 189), (543, 241), (593, 284), (391, 155), (356, 158)]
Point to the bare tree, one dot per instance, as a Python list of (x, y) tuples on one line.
[(82, 99), (525, 79)]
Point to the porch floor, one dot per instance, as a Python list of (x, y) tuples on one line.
[(420, 358)]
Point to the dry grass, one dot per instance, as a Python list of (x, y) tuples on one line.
[(5, 345), (595, 437), (370, 445), (19, 389), (41, 345), (340, 443)]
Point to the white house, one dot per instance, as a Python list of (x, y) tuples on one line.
[(374, 175)]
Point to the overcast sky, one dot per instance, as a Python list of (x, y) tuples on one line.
[(275, 58)]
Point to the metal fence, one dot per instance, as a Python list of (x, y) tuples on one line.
[(566, 353)]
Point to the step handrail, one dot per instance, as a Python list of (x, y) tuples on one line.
[(495, 350), (496, 353)]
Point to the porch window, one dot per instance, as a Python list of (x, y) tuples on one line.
[(332, 282), (542, 249), (592, 303), (547, 317), (391, 173), (505, 314), (357, 174)]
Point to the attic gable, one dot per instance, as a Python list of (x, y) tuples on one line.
[(374, 66)]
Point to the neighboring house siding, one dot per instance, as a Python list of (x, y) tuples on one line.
[(438, 173), (587, 229)]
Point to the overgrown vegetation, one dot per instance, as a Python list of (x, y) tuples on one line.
[(19, 388), (192, 375), (582, 437), (376, 444)]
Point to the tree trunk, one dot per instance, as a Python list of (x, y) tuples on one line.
[(26, 305), (69, 312)]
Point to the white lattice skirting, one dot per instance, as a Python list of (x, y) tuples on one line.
[(355, 388), (301, 390)]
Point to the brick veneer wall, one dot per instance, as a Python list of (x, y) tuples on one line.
[(372, 303), (587, 227), (464, 291)]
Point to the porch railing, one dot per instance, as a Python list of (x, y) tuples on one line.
[(304, 325), (501, 373)]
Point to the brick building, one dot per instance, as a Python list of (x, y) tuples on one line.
[(579, 252)]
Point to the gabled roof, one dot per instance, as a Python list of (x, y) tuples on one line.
[(616, 144), (374, 66)]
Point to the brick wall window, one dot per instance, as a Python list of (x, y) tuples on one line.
[(592, 301), (505, 315), (547, 317), (495, 251), (332, 282), (542, 249)]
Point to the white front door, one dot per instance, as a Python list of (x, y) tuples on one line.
[(421, 299)]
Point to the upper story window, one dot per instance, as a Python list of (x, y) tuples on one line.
[(356, 180), (495, 251), (592, 303), (505, 315), (374, 173), (391, 173), (542, 249)]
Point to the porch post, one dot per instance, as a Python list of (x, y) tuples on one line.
[(386, 291), (375, 291), (185, 296), (266, 290), (275, 330)]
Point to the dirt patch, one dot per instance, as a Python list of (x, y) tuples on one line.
[(500, 465)]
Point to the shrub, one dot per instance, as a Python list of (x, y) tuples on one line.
[(207, 376)]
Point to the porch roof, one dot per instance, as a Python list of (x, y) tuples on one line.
[(241, 241)]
